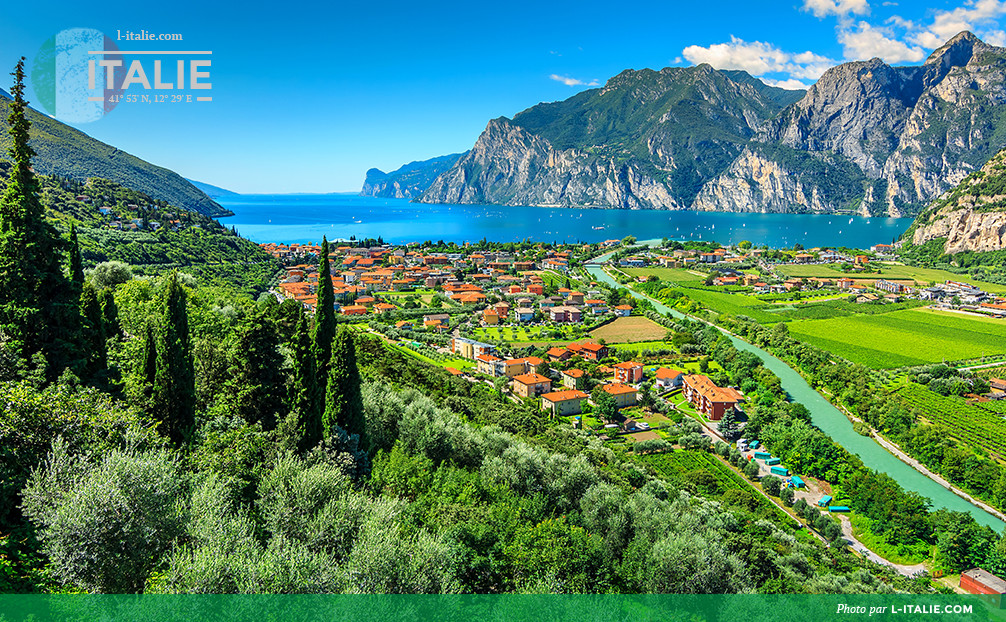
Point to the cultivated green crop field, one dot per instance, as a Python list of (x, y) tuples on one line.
[(676, 275), (902, 338)]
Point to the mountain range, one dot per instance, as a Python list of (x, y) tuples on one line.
[(69, 153), (866, 138), (409, 181)]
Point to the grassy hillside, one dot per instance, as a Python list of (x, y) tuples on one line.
[(164, 237), (67, 152)]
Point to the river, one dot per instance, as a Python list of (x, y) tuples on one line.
[(836, 425)]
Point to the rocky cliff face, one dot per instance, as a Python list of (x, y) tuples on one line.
[(782, 180), (510, 166), (972, 216), (867, 138), (409, 181), (645, 140), (916, 130)]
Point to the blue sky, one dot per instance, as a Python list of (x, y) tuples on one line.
[(308, 96)]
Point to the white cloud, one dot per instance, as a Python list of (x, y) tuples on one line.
[(978, 16), (790, 84), (863, 41), (573, 81), (758, 58), (824, 8)]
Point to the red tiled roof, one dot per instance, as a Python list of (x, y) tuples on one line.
[(564, 396), (667, 374), (617, 388), (531, 379)]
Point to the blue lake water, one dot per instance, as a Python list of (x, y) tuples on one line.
[(305, 218)]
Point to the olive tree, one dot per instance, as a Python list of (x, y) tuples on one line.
[(105, 525)]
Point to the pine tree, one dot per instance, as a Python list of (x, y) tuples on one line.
[(94, 348), (174, 394), (343, 398), (728, 425), (256, 385), (306, 399), (38, 310), (324, 318)]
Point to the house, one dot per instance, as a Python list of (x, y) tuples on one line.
[(573, 378), (997, 384), (844, 283), (469, 348), (564, 314), (628, 372), (978, 581), (862, 259), (624, 394), (668, 378), (487, 364), (803, 258), (531, 385), (559, 354), (593, 351), (354, 310), (524, 314), (383, 307), (892, 287), (709, 257), (515, 367), (623, 310), (709, 399), (563, 403), (490, 317)]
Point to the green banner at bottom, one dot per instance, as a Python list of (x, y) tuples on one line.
[(502, 608)]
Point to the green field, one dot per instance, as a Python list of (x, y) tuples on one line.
[(734, 304), (524, 334), (902, 338), (644, 345), (460, 364), (891, 271), (676, 275)]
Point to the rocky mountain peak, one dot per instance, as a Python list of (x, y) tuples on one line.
[(957, 51)]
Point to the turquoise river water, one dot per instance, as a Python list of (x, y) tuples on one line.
[(838, 427)]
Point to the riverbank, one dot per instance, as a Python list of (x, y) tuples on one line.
[(833, 422)]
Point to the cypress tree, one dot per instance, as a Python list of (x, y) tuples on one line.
[(76, 264), (38, 310), (94, 348), (174, 395), (256, 385), (324, 318), (148, 364), (343, 398), (305, 395), (109, 313)]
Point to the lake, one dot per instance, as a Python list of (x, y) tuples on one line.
[(300, 218)]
